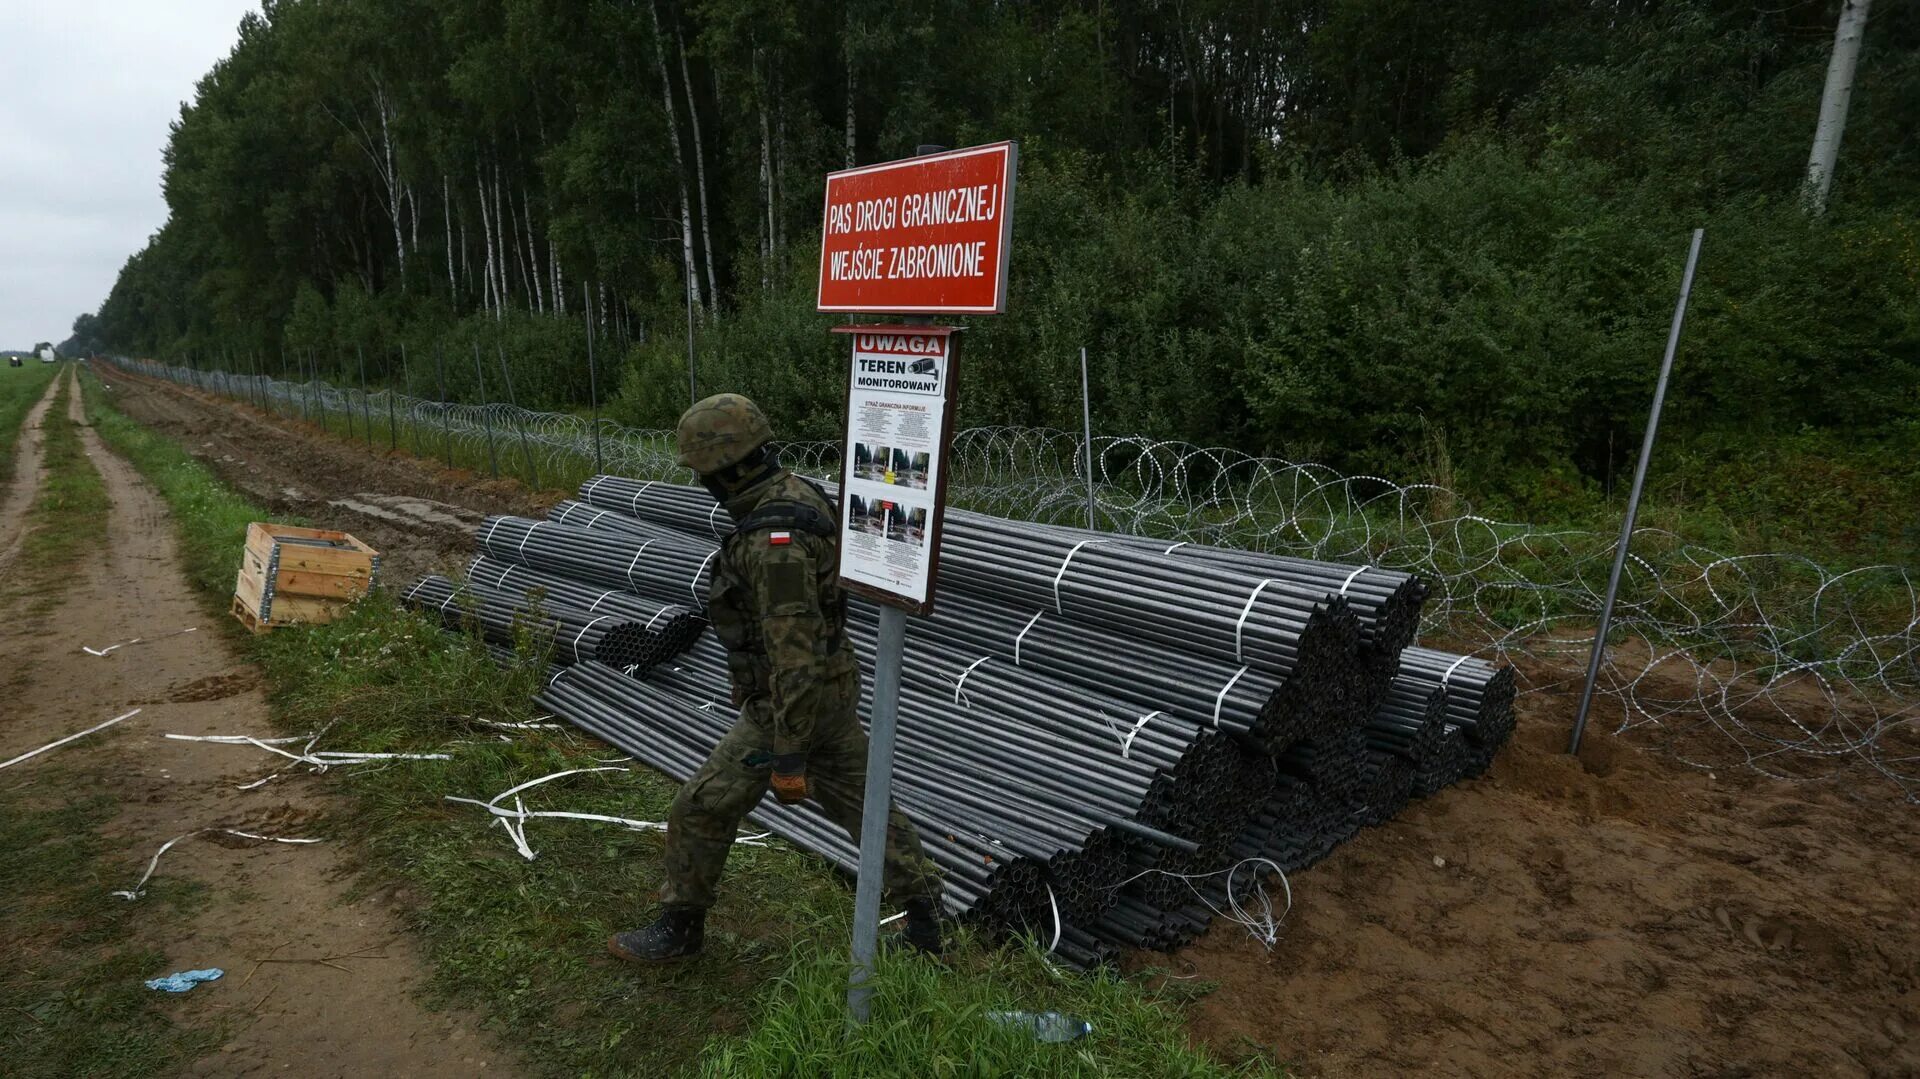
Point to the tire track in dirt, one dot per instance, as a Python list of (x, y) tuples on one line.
[(351, 1016), (420, 516), (26, 475)]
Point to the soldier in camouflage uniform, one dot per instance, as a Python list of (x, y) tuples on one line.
[(776, 603)]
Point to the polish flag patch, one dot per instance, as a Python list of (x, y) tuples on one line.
[(779, 539)]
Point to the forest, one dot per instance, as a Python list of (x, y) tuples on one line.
[(1432, 241)]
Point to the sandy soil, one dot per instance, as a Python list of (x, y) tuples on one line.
[(1621, 914), (355, 1015), (1617, 915)]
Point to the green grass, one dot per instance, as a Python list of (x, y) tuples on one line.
[(521, 943), (72, 1000), (20, 387)]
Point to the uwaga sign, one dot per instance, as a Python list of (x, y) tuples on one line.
[(927, 235), (887, 362)]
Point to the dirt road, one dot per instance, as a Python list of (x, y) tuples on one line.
[(1625, 915), (354, 1014)]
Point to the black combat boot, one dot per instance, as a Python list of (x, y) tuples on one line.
[(923, 927), (676, 934)]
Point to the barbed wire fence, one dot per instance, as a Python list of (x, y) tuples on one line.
[(1766, 661)]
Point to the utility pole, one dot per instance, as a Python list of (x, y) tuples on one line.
[(1833, 103)]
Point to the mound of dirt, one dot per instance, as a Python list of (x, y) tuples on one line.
[(1616, 914)]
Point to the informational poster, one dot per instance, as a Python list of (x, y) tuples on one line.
[(893, 480)]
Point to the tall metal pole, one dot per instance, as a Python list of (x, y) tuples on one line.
[(440, 378), (1086, 422), (406, 389), (486, 414), (519, 421), (889, 645), (1834, 100), (366, 405), (1633, 498), (593, 375)]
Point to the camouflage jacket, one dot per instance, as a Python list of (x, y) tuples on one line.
[(777, 605)]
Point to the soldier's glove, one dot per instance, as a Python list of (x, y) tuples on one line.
[(790, 779)]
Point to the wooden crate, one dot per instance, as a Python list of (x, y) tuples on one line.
[(292, 575)]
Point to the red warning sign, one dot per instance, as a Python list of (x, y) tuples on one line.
[(927, 235)]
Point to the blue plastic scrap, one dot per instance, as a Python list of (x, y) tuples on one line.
[(185, 980)]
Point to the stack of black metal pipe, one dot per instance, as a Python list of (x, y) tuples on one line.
[(1104, 740), (574, 636)]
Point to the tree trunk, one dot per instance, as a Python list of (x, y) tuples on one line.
[(391, 176), (490, 296), (533, 251), (1834, 100), (766, 181), (699, 166), (446, 213), (679, 160), (847, 44)]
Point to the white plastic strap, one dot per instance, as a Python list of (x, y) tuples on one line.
[(1175, 547), (1126, 744), (642, 549), (1064, 563), (583, 633), (601, 598), (656, 616), (634, 502), (1239, 653), (1357, 571), (716, 511), (525, 538), (1450, 670), (586, 494), (962, 680), (693, 586), (489, 536), (1055, 904), (1023, 636), (1222, 698)]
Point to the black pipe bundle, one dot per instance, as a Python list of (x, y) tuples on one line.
[(671, 569), (1479, 699), (1103, 740), (676, 625), (575, 636)]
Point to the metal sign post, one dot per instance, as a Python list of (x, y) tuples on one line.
[(924, 236), (1633, 499)]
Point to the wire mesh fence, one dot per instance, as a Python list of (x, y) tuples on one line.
[(1769, 661)]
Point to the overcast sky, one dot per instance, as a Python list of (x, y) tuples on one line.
[(87, 89)]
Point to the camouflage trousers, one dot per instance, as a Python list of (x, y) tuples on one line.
[(708, 810)]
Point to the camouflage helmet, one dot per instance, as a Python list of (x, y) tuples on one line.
[(720, 432)]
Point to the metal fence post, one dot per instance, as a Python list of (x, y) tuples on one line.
[(366, 405), (1086, 422), (1633, 498), (440, 376), (519, 421), (406, 389), (486, 413)]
